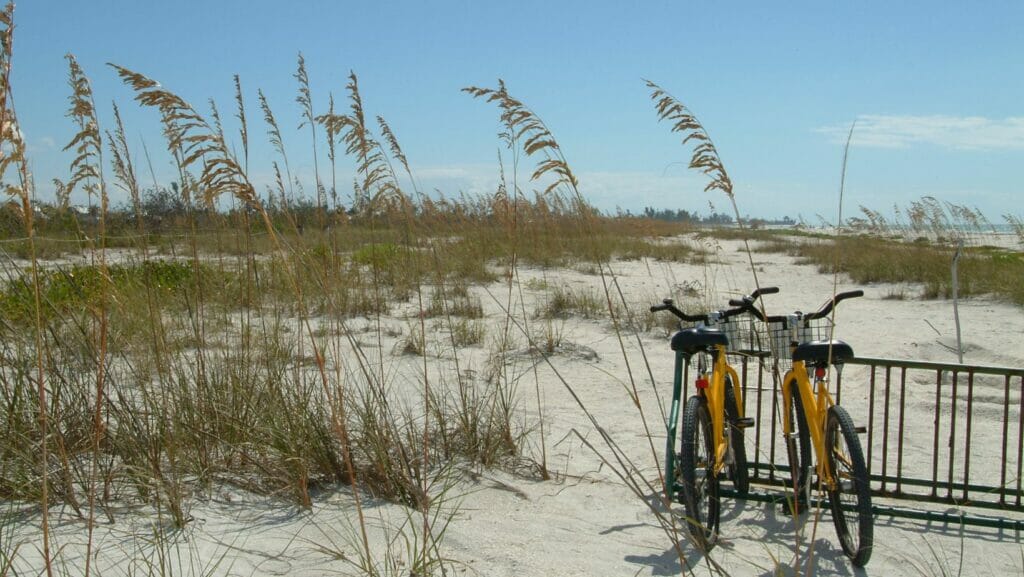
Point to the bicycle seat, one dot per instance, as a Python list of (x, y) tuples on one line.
[(815, 352), (696, 339)]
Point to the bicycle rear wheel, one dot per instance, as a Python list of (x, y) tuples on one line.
[(738, 469), (697, 469), (850, 500), (798, 449)]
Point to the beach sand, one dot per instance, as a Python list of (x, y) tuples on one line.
[(585, 520)]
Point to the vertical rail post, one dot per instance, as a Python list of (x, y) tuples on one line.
[(760, 412), (1006, 439), (885, 427), (776, 415), (1020, 441), (967, 440), (935, 436), (952, 435), (871, 417), (899, 446)]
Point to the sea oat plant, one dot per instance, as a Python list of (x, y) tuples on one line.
[(18, 189), (530, 133)]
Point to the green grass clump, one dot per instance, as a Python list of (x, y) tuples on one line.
[(80, 286), (982, 270), (563, 302), (467, 333), (379, 255)]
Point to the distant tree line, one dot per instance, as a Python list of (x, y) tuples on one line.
[(715, 218), (160, 210), (682, 215)]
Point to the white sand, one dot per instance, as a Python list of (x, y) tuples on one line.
[(586, 522)]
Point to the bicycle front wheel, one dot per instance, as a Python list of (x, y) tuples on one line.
[(697, 469), (850, 499)]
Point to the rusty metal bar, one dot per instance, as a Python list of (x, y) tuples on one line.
[(1020, 441), (871, 419), (967, 440), (943, 517), (774, 432), (1006, 438), (899, 447), (952, 433), (904, 475), (930, 366), (885, 426), (938, 427), (760, 411)]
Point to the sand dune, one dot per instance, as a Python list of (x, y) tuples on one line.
[(585, 521)]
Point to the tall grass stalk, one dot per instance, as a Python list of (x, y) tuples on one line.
[(13, 158), (705, 155), (222, 174), (87, 169), (305, 100), (552, 166)]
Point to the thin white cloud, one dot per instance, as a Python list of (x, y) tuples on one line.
[(41, 144), (955, 132)]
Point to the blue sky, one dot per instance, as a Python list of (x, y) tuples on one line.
[(937, 88)]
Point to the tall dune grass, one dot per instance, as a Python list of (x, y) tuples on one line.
[(285, 346), (219, 348)]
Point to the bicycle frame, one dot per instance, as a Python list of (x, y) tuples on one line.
[(816, 401)]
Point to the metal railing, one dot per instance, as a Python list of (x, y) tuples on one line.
[(934, 432), (976, 433)]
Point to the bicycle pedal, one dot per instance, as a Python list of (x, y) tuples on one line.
[(743, 423), (861, 430)]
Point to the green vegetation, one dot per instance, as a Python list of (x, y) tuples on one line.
[(984, 270), (204, 345), (78, 287)]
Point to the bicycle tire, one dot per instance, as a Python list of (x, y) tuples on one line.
[(697, 469), (850, 501), (738, 471), (798, 449)]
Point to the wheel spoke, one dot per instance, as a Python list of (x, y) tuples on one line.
[(843, 459)]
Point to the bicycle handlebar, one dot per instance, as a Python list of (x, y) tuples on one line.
[(831, 304), (746, 304), (749, 299), (823, 311), (667, 305)]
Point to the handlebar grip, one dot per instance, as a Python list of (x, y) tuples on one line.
[(737, 302), (828, 306), (665, 305), (768, 290), (849, 295)]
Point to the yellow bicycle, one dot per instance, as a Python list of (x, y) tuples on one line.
[(711, 436), (812, 418)]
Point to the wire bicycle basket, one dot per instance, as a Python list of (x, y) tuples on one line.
[(742, 333), (779, 337)]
